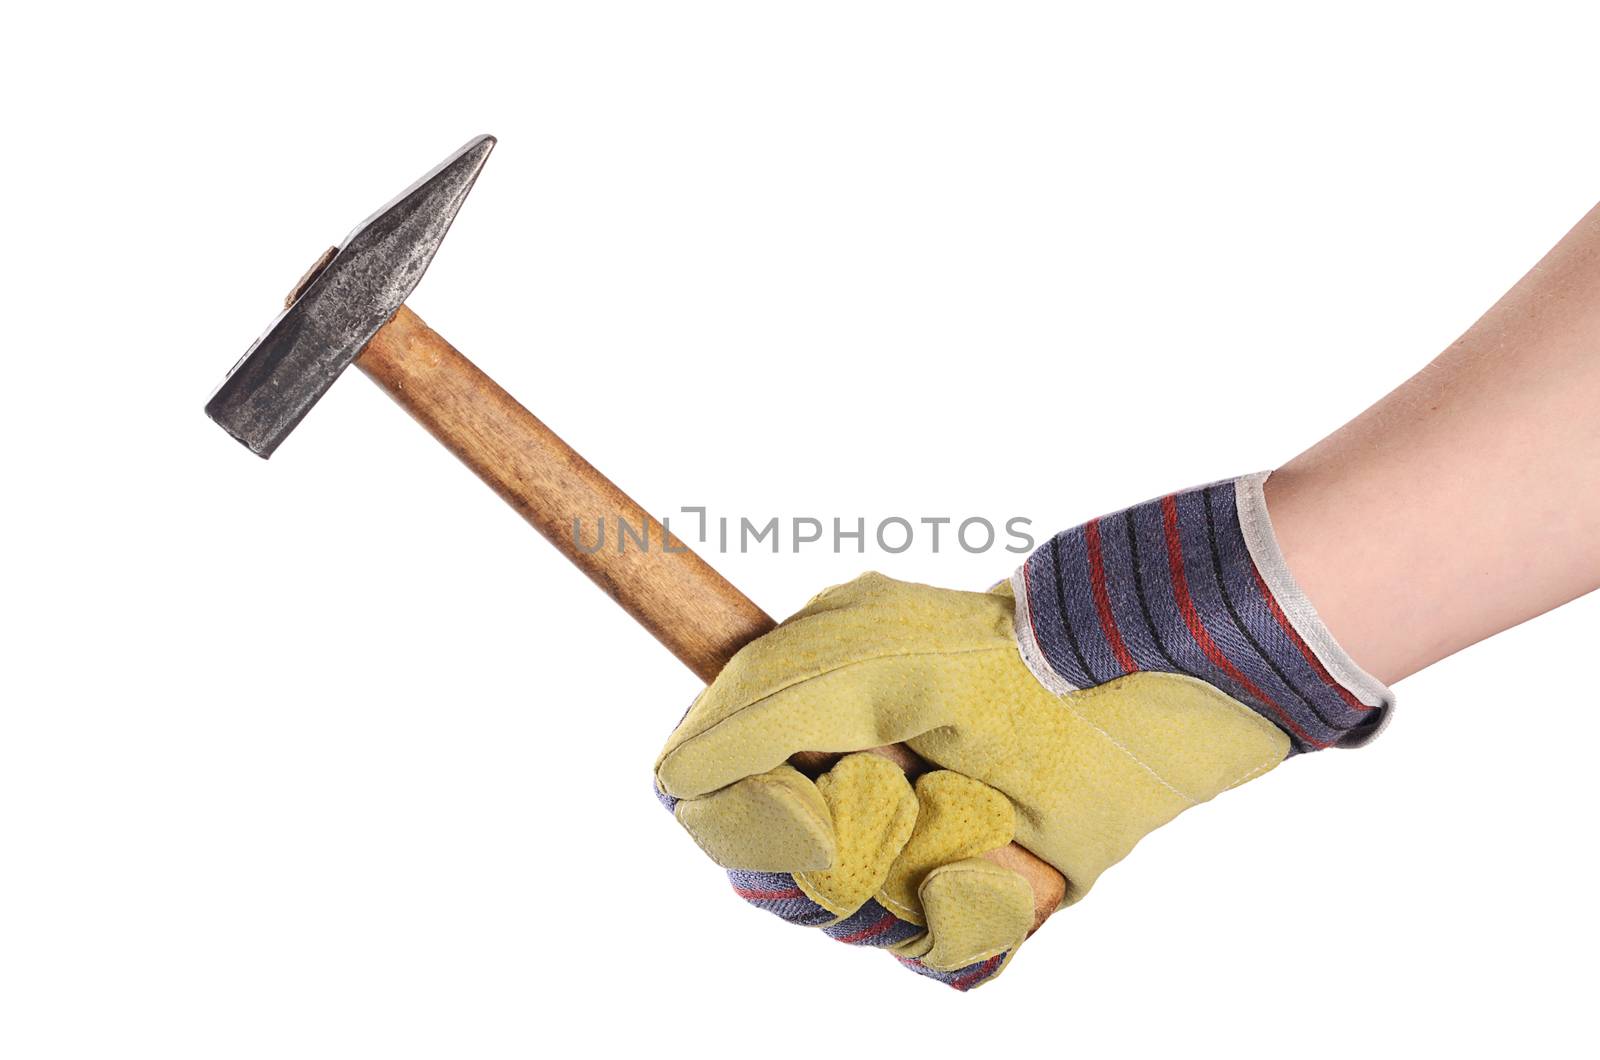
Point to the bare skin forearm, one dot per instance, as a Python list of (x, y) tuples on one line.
[(1468, 499)]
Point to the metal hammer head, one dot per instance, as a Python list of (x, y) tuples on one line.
[(340, 304)]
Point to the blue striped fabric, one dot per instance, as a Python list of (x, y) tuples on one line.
[(962, 978), (871, 925), (1170, 586), (778, 894)]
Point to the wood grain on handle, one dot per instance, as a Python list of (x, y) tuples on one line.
[(684, 603), (677, 596)]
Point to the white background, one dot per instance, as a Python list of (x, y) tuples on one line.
[(332, 756)]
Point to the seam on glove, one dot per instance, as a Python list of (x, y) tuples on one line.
[(1028, 638), (1114, 742), (1241, 711), (979, 959), (1262, 768), (904, 912), (1216, 696)]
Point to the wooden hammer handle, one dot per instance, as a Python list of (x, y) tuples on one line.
[(676, 595), (696, 612)]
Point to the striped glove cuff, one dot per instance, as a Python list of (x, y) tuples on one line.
[(1194, 583)]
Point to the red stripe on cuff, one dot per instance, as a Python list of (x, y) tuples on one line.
[(1102, 601), (1305, 649), (1197, 629)]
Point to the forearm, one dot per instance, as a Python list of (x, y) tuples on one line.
[(1468, 499)]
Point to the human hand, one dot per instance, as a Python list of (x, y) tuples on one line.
[(869, 857)]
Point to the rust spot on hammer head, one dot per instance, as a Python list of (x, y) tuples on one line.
[(308, 276)]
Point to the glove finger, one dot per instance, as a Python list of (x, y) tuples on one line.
[(975, 910), (774, 822), (852, 671), (874, 811), (957, 818), (882, 701)]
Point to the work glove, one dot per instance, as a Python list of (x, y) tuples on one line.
[(1135, 666)]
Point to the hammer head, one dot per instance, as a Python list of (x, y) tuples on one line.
[(336, 309)]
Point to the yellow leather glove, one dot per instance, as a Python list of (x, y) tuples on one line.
[(1076, 778)]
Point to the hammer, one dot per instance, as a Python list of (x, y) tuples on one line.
[(350, 307)]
